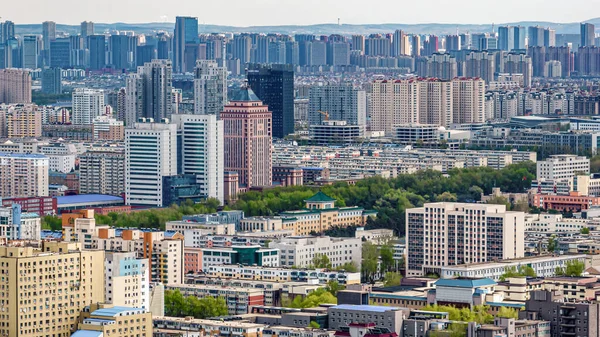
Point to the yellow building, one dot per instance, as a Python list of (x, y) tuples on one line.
[(43, 291), (103, 320), (321, 214)]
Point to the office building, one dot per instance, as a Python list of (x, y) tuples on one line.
[(126, 280), (337, 102), (149, 92), (588, 35), (15, 86), (200, 138), (21, 120), (23, 175), (59, 317), (274, 86), (48, 33), (300, 251), (60, 53), (86, 30), (447, 234), (87, 105), (150, 155), (97, 49), (247, 139), (102, 172), (210, 88), (122, 51), (52, 81), (186, 36), (31, 51), (562, 167)]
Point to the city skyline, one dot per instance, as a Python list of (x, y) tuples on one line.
[(304, 13)]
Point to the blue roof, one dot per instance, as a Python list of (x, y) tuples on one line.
[(465, 283), (86, 198), (22, 155), (114, 311), (502, 304), (370, 308), (399, 297), (87, 333), (170, 234), (245, 95), (48, 234)]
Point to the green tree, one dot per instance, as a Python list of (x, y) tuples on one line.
[(369, 261), (350, 267), (522, 271), (506, 312), (457, 330), (552, 244), (446, 197), (333, 287), (51, 222), (314, 325), (574, 268), (387, 257), (521, 206), (499, 200), (391, 279), (321, 261), (179, 306), (585, 230), (314, 299)]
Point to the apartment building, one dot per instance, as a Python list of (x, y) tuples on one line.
[(166, 326), (20, 121), (107, 128), (239, 300), (281, 274), (23, 175), (115, 321), (102, 172), (127, 280), (562, 167), (300, 251), (446, 234), (17, 225), (87, 105), (44, 290), (15, 86), (386, 317)]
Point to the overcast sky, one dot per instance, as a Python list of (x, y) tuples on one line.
[(301, 12)]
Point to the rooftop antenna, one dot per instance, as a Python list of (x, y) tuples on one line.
[(493, 31), (338, 21)]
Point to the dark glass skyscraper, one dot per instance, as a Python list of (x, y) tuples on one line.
[(52, 81), (122, 50), (97, 47), (274, 85), (588, 35), (186, 32), (60, 53)]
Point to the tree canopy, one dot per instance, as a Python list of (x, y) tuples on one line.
[(314, 299), (179, 306)]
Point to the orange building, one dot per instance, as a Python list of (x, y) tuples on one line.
[(564, 203)]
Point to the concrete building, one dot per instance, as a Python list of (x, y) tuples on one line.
[(247, 139), (15, 86), (102, 172), (20, 121), (562, 167), (210, 88), (60, 316), (447, 234), (120, 321), (166, 326), (281, 274), (149, 92), (335, 132), (87, 105), (17, 225), (126, 280), (200, 138), (239, 300), (240, 255), (61, 156), (467, 101), (416, 134), (23, 175), (150, 155), (386, 317), (108, 128), (340, 102), (52, 81), (300, 251)]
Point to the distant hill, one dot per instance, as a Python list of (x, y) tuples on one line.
[(326, 29)]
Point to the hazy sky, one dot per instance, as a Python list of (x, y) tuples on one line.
[(280, 12)]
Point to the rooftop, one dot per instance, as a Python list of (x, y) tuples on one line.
[(23, 155), (86, 198), (114, 311), (245, 94), (87, 333), (369, 308), (465, 283), (320, 197)]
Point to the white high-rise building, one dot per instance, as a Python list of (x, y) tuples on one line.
[(202, 151), (210, 88), (87, 105), (23, 175), (150, 92), (447, 234), (150, 155)]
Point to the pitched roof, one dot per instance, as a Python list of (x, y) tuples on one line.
[(245, 94), (320, 197)]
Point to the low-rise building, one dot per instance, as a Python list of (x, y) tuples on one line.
[(106, 320), (240, 255), (171, 326), (386, 317), (282, 274), (239, 300), (300, 251)]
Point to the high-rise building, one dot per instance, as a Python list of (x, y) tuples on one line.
[(23, 175), (442, 66), (145, 54), (338, 53), (549, 37), (398, 46), (520, 34), (210, 88), (48, 33), (588, 35), (87, 29), (468, 100), (318, 53), (431, 45), (378, 45), (506, 38), (518, 63), (274, 85), (452, 42), (15, 86), (97, 47), (186, 33), (7, 31), (248, 138), (446, 234), (52, 81), (126, 280), (21, 120), (342, 102), (416, 45), (105, 127), (149, 92), (60, 53), (480, 64), (200, 138), (150, 156), (242, 48), (102, 172), (535, 36), (87, 105), (122, 50), (31, 51), (564, 56), (358, 43), (84, 282)]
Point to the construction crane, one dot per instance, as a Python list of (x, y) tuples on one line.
[(324, 113)]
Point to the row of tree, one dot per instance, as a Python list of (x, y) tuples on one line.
[(177, 305)]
